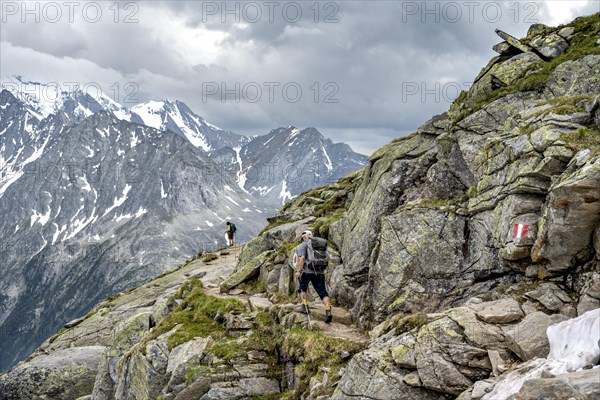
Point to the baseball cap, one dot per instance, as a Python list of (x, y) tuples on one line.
[(307, 233)]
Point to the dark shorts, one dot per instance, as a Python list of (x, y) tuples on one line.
[(318, 282), (230, 235)]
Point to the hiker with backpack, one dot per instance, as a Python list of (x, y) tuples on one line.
[(231, 233), (312, 263)]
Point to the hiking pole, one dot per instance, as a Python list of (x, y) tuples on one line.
[(307, 312)]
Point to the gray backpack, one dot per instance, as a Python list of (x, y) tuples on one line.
[(317, 254)]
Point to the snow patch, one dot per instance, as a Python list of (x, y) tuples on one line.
[(163, 194), (39, 217), (573, 346), (328, 163), (91, 152), (118, 201), (284, 194), (232, 200)]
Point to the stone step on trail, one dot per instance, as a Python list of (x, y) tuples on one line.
[(317, 312)]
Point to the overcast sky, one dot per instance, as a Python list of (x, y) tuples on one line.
[(362, 72)]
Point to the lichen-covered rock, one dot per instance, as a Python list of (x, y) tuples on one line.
[(422, 245), (570, 215), (124, 336), (246, 271), (550, 46), (575, 77), (242, 389), (373, 374), (550, 296), (506, 72), (443, 358), (185, 357), (394, 168), (62, 375)]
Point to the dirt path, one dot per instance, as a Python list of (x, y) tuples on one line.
[(217, 270)]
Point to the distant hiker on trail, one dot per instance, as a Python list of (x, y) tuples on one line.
[(231, 233), (312, 263)]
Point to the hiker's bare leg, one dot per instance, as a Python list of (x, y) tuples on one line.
[(303, 296), (326, 301)]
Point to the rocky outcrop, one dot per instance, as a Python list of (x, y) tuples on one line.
[(171, 340), (62, 375), (468, 250), (500, 192), (570, 215)]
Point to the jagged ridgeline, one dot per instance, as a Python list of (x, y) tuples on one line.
[(455, 248)]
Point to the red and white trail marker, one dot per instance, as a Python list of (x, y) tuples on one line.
[(520, 231)]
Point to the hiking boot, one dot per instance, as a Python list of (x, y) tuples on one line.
[(328, 316), (302, 309)]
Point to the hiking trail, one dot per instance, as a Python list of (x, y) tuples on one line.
[(217, 270)]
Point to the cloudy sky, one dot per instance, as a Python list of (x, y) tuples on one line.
[(362, 72)]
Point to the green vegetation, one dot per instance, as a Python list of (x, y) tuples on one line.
[(286, 249), (584, 138), (313, 350), (253, 287), (209, 257), (196, 315), (404, 323), (321, 226), (410, 322)]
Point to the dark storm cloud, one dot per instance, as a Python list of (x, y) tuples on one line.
[(378, 66)]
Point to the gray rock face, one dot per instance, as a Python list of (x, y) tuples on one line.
[(528, 339), (500, 312), (582, 384), (570, 215), (411, 252), (372, 374), (93, 208), (242, 389), (550, 46), (63, 375)]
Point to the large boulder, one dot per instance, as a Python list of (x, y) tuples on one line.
[(373, 374), (550, 46), (124, 336), (423, 247), (502, 72), (578, 385), (394, 168), (63, 375), (575, 78), (528, 339)]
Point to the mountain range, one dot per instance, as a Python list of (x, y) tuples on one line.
[(97, 198)]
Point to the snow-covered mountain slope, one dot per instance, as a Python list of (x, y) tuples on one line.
[(177, 117), (94, 207), (286, 162), (266, 166), (71, 100)]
